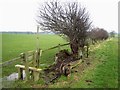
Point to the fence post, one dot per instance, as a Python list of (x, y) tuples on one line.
[(25, 56), (40, 54), (37, 43), (20, 70), (34, 59), (80, 53), (37, 57), (36, 75), (20, 73), (87, 50)]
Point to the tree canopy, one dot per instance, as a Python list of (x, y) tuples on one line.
[(69, 19)]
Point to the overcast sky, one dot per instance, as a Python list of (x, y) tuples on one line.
[(20, 15)]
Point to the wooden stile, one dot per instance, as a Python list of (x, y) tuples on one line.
[(35, 72), (31, 72)]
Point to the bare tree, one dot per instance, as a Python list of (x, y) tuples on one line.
[(98, 34), (102, 34), (70, 20)]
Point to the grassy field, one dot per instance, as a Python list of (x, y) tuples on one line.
[(101, 73), (14, 44)]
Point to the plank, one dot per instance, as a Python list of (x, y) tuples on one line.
[(30, 68), (56, 47), (10, 61)]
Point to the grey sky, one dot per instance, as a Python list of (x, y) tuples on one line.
[(20, 15)]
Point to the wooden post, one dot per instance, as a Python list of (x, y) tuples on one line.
[(37, 45), (38, 50), (26, 66), (34, 59), (37, 57), (31, 75), (36, 75), (20, 73), (80, 53), (87, 50), (56, 59), (20, 70)]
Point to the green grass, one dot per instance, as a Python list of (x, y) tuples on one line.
[(109, 66), (14, 44), (103, 70)]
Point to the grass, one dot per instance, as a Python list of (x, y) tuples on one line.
[(14, 44), (108, 67), (102, 71)]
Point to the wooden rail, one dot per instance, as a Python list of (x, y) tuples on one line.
[(10, 61), (30, 53), (59, 45)]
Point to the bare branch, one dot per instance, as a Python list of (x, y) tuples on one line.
[(71, 20)]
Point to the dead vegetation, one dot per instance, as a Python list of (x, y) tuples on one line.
[(62, 66)]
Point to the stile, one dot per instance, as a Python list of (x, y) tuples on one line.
[(34, 73), (31, 72)]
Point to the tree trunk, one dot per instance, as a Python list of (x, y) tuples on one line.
[(74, 48)]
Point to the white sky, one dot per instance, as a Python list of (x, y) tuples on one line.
[(20, 15)]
